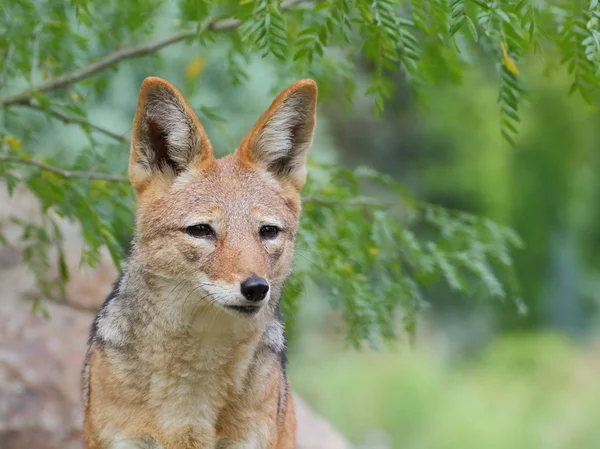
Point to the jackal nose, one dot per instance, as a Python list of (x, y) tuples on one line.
[(254, 288)]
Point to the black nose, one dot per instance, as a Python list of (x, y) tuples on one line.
[(255, 288)]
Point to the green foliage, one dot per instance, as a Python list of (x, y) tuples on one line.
[(266, 31), (57, 58), (543, 189), (384, 255), (578, 41), (524, 392)]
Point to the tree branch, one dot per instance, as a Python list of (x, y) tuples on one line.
[(63, 302), (359, 201), (126, 53), (67, 174), (76, 120), (92, 69)]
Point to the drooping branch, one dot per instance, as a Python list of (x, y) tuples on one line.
[(77, 120), (112, 59), (360, 201), (65, 303), (92, 69), (67, 174)]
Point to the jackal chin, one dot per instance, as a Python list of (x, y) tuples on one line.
[(247, 311), (242, 307)]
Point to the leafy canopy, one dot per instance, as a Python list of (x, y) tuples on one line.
[(374, 257)]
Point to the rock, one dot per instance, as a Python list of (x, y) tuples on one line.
[(39, 376), (41, 359), (314, 432)]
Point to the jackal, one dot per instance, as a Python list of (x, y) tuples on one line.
[(188, 351)]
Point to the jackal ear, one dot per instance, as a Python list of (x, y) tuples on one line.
[(281, 138), (167, 136)]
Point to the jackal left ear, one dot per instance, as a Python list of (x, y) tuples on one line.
[(167, 136), (280, 139)]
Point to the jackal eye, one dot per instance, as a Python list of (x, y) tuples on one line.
[(269, 232), (200, 231)]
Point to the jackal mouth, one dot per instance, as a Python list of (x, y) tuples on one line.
[(245, 310)]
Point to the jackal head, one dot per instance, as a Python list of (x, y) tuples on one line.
[(225, 226)]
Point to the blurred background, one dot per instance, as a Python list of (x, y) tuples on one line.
[(478, 374)]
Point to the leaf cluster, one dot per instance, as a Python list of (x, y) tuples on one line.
[(376, 259)]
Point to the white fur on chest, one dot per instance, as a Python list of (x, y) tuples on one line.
[(190, 389), (118, 442), (193, 373)]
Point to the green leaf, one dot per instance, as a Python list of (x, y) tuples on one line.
[(472, 28), (507, 136), (42, 100), (457, 25), (503, 15)]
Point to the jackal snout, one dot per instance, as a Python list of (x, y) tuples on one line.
[(255, 288)]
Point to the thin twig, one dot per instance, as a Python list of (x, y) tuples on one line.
[(70, 174), (67, 174), (76, 120), (92, 69), (124, 54), (358, 201), (35, 53), (64, 302), (5, 61)]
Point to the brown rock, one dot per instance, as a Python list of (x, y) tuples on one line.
[(314, 432), (39, 376)]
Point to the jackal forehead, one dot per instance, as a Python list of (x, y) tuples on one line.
[(226, 190)]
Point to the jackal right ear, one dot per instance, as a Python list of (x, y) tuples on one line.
[(167, 136), (280, 140)]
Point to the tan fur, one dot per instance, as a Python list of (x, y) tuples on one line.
[(169, 364)]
